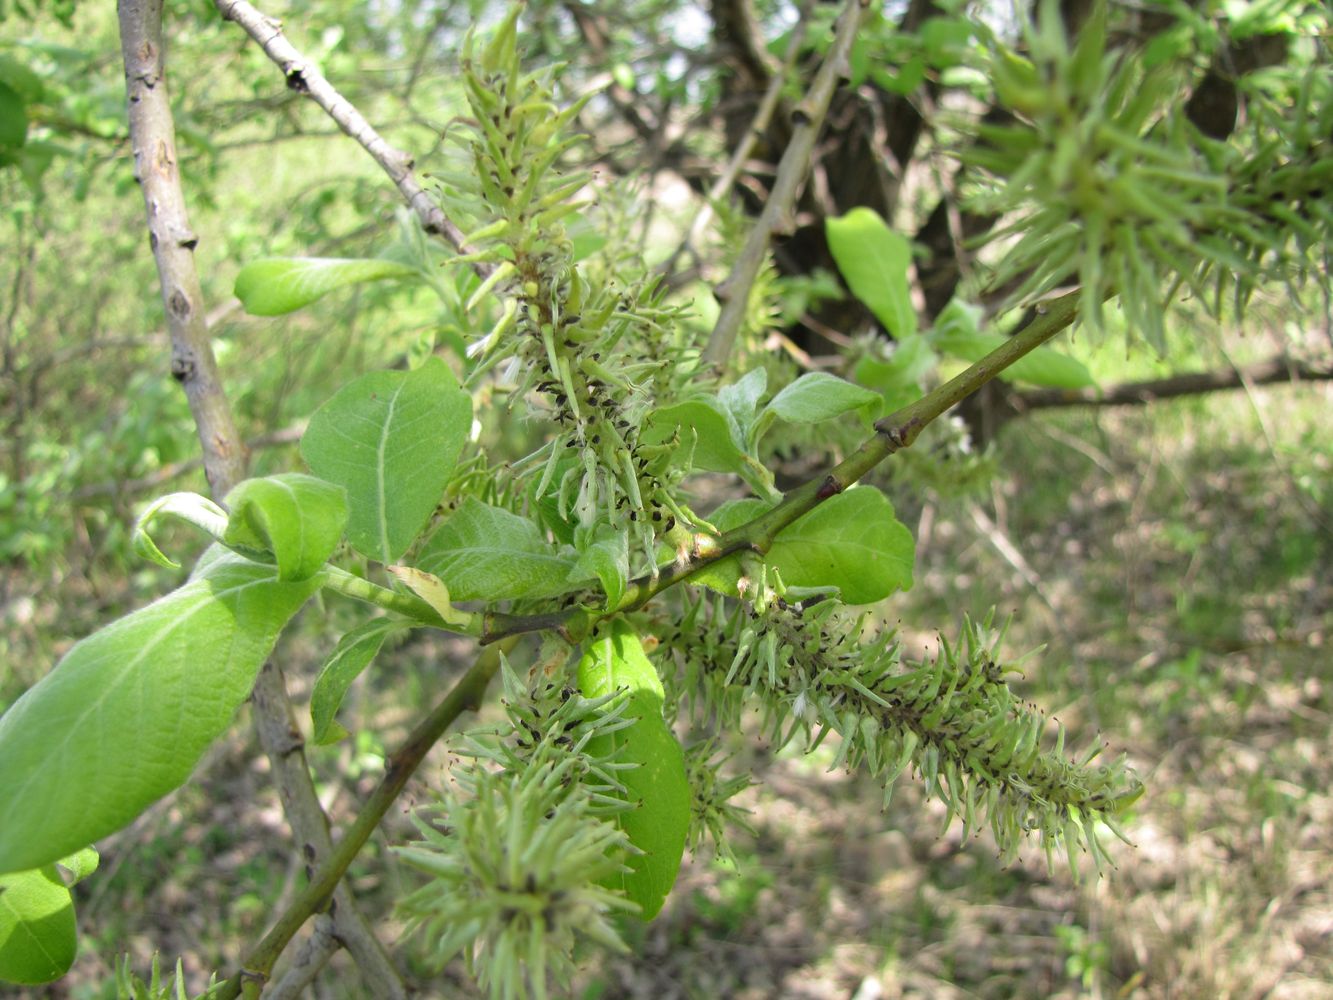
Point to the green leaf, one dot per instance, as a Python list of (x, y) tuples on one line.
[(741, 399), (818, 396), (391, 439), (38, 937), (191, 508), (13, 122), (704, 425), (607, 559), (956, 333), (851, 541), (874, 260), (352, 655), (275, 286), (122, 719), (657, 788), (898, 379), (80, 864), (298, 518), (484, 552)]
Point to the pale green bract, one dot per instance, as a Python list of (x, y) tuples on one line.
[(391, 439), (274, 286), (123, 718), (485, 552), (660, 818)]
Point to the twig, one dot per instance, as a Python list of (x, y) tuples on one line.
[(173, 470), (741, 155), (465, 695), (153, 141), (312, 957), (808, 119), (304, 77), (152, 136), (1274, 370)]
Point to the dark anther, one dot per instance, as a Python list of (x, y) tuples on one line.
[(670, 523), (657, 515)]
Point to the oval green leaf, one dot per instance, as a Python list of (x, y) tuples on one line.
[(704, 425), (657, 788), (297, 518), (345, 664), (487, 553), (275, 286), (38, 937), (818, 396), (391, 439), (122, 719), (874, 260), (851, 541)]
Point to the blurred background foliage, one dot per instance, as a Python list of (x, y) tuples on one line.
[(1173, 559)]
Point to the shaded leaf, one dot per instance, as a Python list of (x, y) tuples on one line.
[(391, 439), (123, 718), (353, 654), (657, 788), (274, 286), (607, 559), (486, 553)]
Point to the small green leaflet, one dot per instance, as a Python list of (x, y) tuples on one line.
[(874, 260), (431, 589), (274, 286), (818, 396), (741, 398), (615, 660), (391, 439), (297, 518), (38, 936), (354, 653), (487, 553), (191, 508), (607, 559), (851, 541), (122, 719)]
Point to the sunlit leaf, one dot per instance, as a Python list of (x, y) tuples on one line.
[(38, 937)]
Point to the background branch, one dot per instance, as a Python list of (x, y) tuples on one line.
[(305, 78), (807, 120)]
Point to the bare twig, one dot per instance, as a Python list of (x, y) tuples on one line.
[(1272, 371), (152, 135), (314, 954), (808, 119), (174, 470), (304, 77), (741, 155), (153, 140)]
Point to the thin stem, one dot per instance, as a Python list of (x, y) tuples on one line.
[(304, 77), (893, 433), (466, 694), (797, 159)]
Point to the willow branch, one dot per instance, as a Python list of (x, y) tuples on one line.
[(156, 168), (304, 77), (466, 695), (807, 121), (893, 433), (153, 140)]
